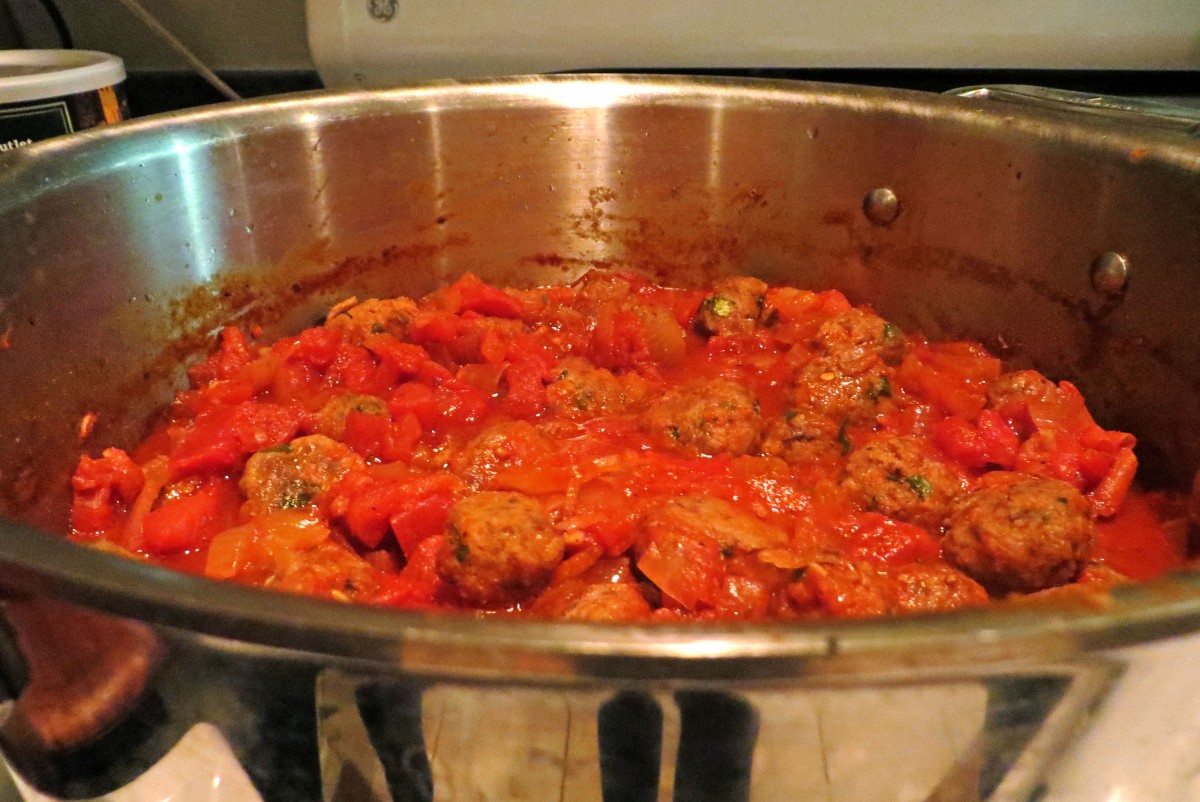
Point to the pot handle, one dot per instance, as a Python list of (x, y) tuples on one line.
[(1131, 110)]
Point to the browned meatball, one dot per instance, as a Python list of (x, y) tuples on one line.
[(800, 438), (841, 588), (734, 307), (581, 391), (1020, 534), (616, 601), (899, 478), (499, 548), (308, 571), (373, 316), (331, 419), (729, 526), (856, 338), (297, 474), (706, 417), (928, 588), (821, 388), (509, 444), (1020, 387)]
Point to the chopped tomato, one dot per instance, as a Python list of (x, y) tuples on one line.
[(103, 487), (374, 504), (989, 441), (882, 541), (414, 399), (951, 376), (189, 521), (376, 437), (571, 416), (418, 585), (475, 296), (232, 356), (220, 439), (619, 341)]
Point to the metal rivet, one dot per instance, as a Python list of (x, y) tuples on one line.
[(1110, 273), (881, 206), (382, 10)]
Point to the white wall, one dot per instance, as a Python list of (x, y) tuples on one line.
[(226, 34)]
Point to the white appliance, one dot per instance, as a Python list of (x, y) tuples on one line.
[(372, 43)]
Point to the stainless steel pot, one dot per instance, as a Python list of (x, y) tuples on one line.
[(1067, 243)]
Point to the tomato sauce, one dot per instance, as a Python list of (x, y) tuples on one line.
[(620, 451)]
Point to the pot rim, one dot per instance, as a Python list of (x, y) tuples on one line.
[(449, 645), (443, 645)]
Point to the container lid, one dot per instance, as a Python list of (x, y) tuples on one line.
[(38, 74)]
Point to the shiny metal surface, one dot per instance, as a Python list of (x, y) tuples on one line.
[(881, 206), (125, 250), (1110, 273), (1127, 110)]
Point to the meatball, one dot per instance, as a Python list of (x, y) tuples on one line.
[(856, 338), (929, 588), (705, 417), (498, 447), (841, 588), (297, 474), (852, 371), (499, 549), (331, 419), (798, 438), (733, 308), (582, 391), (1020, 533), (821, 388), (328, 569), (1020, 387), (899, 478), (729, 526), (617, 601), (373, 316)]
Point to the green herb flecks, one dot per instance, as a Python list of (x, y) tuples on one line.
[(719, 305), (296, 499), (843, 438), (920, 485), (881, 389), (462, 552)]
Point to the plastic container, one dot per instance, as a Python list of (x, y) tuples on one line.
[(45, 93)]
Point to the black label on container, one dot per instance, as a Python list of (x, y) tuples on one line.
[(28, 124)]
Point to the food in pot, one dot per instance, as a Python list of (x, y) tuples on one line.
[(621, 451)]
